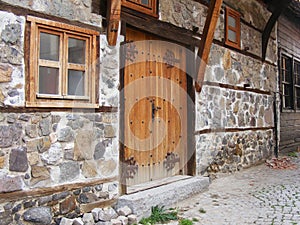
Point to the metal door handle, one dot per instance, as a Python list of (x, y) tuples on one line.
[(154, 109)]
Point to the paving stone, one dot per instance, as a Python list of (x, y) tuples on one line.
[(258, 195)]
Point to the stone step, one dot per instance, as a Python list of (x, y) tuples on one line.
[(165, 195)]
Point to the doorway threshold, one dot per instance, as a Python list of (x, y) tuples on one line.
[(166, 194), (156, 183)]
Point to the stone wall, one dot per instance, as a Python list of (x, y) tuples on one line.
[(189, 16), (77, 10), (49, 209), (57, 148), (233, 124), (233, 68), (47, 149), (12, 79), (223, 108), (53, 149), (69, 157), (232, 151), (192, 17)]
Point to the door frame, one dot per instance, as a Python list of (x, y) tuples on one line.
[(191, 146)]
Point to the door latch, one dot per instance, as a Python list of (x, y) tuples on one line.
[(154, 109)]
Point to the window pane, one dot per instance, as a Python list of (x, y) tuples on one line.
[(297, 80), (76, 51), (75, 82), (145, 2), (288, 96), (288, 102), (48, 80), (231, 21), (231, 36), (286, 70), (297, 73), (298, 97), (49, 46), (286, 90)]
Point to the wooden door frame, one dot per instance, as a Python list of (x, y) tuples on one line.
[(191, 146)]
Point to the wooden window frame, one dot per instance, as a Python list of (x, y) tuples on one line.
[(285, 84), (62, 100), (294, 86), (151, 9), (237, 29), (296, 73)]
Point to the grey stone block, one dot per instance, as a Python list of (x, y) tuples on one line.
[(41, 215), (166, 195), (124, 211)]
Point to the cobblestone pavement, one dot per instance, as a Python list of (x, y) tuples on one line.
[(258, 195)]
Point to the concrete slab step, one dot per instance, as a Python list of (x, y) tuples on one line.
[(165, 195)]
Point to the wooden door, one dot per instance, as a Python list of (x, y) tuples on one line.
[(155, 109)]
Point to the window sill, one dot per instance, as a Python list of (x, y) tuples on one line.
[(69, 97), (60, 104)]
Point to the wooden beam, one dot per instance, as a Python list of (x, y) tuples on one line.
[(113, 20), (38, 192), (279, 6), (152, 25), (231, 130), (206, 40)]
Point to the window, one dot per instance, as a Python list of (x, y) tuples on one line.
[(145, 6), (62, 65), (232, 28), (287, 82), (297, 83), (290, 82)]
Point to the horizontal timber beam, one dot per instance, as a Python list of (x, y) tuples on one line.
[(38, 192), (231, 130)]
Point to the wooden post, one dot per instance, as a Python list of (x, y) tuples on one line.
[(206, 40), (113, 20)]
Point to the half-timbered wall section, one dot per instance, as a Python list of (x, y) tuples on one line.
[(56, 158), (289, 66), (234, 111)]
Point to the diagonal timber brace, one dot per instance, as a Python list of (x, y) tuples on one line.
[(279, 6), (206, 41)]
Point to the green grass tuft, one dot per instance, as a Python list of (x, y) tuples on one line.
[(159, 215), (293, 154), (185, 222)]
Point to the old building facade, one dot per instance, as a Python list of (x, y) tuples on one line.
[(289, 66), (71, 104)]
